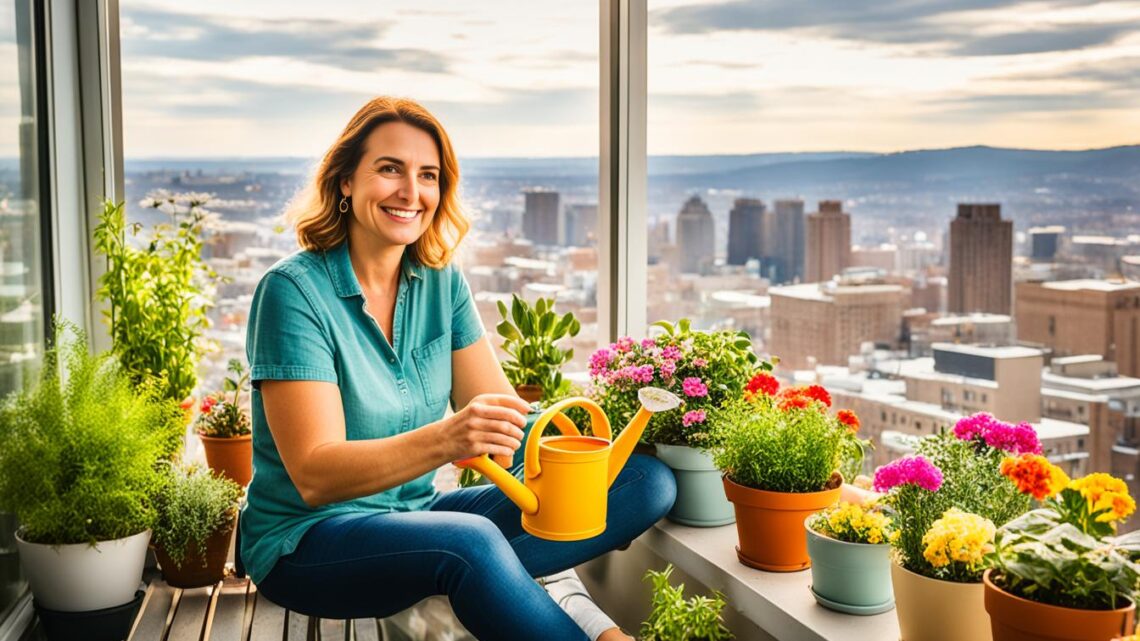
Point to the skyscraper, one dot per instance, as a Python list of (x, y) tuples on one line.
[(828, 241), (540, 216), (746, 230), (981, 260), (695, 235), (788, 240)]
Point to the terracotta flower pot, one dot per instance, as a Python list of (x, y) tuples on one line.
[(934, 610), (770, 525), (231, 457), (193, 573), (1014, 618), (529, 393)]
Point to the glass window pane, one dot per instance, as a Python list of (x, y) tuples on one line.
[(239, 100), (21, 265)]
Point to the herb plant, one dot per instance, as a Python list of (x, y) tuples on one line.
[(220, 417), (530, 337), (782, 441), (158, 289), (702, 368), (192, 505), (674, 618), (80, 445)]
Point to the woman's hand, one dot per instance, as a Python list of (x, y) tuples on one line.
[(490, 424)]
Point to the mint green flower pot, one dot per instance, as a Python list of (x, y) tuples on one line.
[(700, 492), (854, 578)]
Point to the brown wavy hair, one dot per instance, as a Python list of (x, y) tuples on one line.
[(321, 227)]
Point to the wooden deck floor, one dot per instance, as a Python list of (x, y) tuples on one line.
[(233, 611)]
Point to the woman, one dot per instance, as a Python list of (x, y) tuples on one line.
[(356, 346)]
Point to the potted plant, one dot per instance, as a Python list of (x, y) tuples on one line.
[(781, 453), (530, 337), (701, 368), (1058, 572), (79, 452), (224, 427), (850, 564), (196, 515), (673, 618), (158, 290), (957, 469)]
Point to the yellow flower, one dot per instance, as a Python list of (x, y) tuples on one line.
[(852, 522), (1105, 492), (958, 537)]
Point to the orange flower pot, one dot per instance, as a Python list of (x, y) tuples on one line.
[(1014, 618), (770, 525), (196, 571), (231, 457)]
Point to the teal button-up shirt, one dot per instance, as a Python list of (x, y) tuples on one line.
[(308, 321)]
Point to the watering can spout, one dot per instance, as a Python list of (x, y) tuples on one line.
[(653, 400), (518, 493)]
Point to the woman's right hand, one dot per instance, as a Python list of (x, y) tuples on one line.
[(490, 424)]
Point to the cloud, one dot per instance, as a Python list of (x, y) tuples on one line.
[(1064, 38), (164, 34), (939, 23), (1004, 104)]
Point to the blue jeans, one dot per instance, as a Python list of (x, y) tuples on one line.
[(469, 545)]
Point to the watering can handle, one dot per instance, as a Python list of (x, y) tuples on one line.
[(565, 426), (599, 424)]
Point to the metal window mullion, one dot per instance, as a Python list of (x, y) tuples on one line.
[(622, 188)]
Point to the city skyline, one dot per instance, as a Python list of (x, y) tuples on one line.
[(512, 79)]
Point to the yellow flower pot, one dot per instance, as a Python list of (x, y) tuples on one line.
[(934, 610)]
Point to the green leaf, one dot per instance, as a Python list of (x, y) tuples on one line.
[(508, 331)]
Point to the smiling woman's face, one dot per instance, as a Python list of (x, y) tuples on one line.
[(395, 188)]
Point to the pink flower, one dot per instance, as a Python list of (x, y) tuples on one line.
[(672, 352), (1016, 439), (668, 368), (700, 363), (909, 470), (624, 344), (600, 361), (693, 416), (647, 343), (643, 373), (692, 386)]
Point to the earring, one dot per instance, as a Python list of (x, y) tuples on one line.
[(343, 206)]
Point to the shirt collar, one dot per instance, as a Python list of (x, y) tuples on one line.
[(344, 280)]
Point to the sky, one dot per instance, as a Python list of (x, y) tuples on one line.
[(520, 77)]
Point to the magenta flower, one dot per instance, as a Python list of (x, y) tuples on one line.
[(646, 343), (909, 470), (600, 361), (692, 386), (700, 363), (668, 368), (1015, 439), (671, 352), (624, 344), (693, 416)]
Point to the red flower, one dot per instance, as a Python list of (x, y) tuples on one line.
[(208, 403), (817, 393), (763, 382), (848, 418)]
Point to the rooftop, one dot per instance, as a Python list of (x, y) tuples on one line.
[(1092, 285), (997, 352), (825, 292)]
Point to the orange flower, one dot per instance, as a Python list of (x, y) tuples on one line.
[(797, 402), (1034, 474), (763, 382), (848, 418)]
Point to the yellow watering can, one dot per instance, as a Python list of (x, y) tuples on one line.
[(568, 476)]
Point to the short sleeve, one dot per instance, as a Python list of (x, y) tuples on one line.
[(466, 326), (286, 339)]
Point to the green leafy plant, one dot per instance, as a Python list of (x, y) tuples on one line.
[(530, 337), (783, 440), (80, 445), (702, 368), (1063, 553), (158, 289), (674, 618), (220, 417), (192, 505)]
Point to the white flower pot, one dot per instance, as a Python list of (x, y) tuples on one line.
[(81, 577)]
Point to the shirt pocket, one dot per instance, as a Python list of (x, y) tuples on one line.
[(433, 365)]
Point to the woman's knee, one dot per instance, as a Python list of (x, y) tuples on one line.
[(657, 487)]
